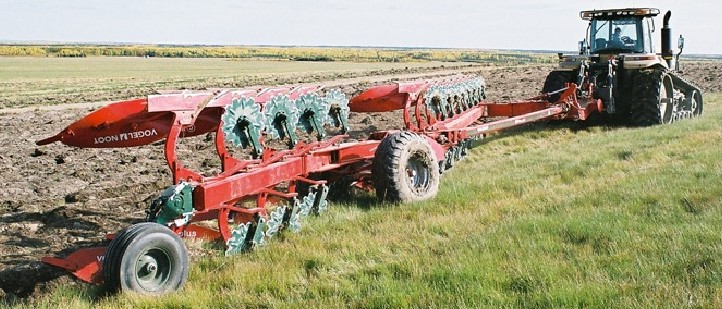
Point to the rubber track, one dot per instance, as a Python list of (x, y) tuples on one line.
[(686, 87), (555, 81), (646, 96), (682, 83)]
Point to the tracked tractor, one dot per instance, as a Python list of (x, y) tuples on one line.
[(618, 64)]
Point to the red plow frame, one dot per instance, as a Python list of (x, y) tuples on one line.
[(255, 197)]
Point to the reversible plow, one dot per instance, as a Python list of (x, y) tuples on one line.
[(294, 152)]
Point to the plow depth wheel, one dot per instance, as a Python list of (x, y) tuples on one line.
[(405, 169), (145, 258)]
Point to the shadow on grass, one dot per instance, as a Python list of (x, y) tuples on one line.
[(29, 279)]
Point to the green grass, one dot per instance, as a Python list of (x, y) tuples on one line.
[(549, 215), (26, 81)]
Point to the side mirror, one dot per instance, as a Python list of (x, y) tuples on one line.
[(680, 42), (582, 45)]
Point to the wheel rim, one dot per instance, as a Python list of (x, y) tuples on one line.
[(153, 269), (417, 172)]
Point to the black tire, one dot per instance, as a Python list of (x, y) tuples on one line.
[(652, 88), (556, 80), (145, 258), (404, 169), (339, 190)]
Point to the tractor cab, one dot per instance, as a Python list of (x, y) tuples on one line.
[(620, 30)]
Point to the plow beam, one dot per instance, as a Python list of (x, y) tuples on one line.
[(217, 192), (514, 121), (514, 108)]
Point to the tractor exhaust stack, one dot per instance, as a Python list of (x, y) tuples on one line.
[(667, 52)]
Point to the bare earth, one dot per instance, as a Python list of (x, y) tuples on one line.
[(57, 197)]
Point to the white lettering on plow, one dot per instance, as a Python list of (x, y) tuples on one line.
[(125, 136)]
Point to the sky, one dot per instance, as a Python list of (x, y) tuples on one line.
[(523, 24)]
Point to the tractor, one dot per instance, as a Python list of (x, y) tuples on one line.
[(617, 64)]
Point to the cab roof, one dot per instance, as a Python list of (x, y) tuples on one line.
[(617, 13)]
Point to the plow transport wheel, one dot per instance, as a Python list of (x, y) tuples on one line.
[(145, 258), (405, 169)]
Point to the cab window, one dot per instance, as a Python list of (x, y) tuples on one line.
[(617, 35)]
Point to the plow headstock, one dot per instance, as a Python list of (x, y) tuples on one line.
[(140, 122), (120, 124)]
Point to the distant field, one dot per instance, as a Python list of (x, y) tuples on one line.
[(26, 81), (32, 75), (132, 68)]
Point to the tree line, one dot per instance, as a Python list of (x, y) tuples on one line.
[(278, 53)]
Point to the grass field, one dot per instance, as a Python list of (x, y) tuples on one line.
[(548, 215), (27, 81), (40, 69)]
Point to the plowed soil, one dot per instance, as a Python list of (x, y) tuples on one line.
[(56, 198)]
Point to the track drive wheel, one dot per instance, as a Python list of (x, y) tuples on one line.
[(145, 258), (652, 98), (405, 169), (695, 98), (556, 80)]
